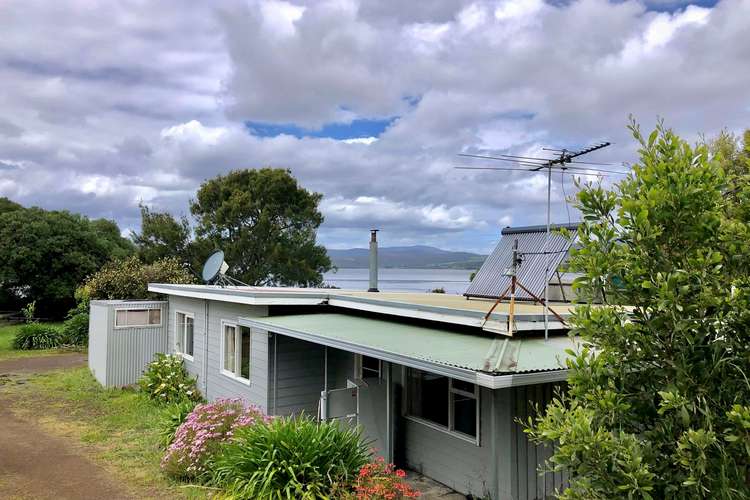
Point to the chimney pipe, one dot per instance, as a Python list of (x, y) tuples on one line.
[(373, 261)]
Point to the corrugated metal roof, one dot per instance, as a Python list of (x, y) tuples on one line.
[(481, 353), (491, 281)]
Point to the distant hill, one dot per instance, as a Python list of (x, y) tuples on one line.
[(414, 257)]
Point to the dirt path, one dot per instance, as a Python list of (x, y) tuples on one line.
[(34, 464), (42, 363)]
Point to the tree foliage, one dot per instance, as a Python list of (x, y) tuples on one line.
[(657, 405), (162, 236), (45, 254), (266, 224), (129, 278)]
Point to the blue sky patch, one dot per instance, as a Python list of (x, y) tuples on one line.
[(339, 131)]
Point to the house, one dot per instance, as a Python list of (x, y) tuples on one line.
[(436, 382)]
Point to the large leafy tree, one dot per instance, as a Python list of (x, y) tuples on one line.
[(162, 236), (657, 403), (266, 224), (45, 254), (129, 278)]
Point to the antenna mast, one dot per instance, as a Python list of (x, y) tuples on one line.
[(532, 164)]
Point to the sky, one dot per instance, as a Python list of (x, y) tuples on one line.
[(107, 105)]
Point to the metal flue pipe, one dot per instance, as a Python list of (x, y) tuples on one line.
[(373, 261)]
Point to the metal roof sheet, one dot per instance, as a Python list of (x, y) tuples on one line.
[(491, 281), (481, 353)]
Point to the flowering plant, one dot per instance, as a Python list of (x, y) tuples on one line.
[(380, 480), (167, 380), (207, 426)]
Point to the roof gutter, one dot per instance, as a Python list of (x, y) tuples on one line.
[(480, 378)]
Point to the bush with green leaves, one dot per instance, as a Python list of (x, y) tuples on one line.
[(37, 336), (658, 400), (293, 457), (129, 278), (166, 380), (200, 436), (172, 417), (76, 326)]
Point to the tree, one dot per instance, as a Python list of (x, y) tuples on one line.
[(657, 400), (7, 205), (129, 279), (162, 236), (266, 224), (45, 254)]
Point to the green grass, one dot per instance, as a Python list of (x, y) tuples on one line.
[(8, 332), (119, 427)]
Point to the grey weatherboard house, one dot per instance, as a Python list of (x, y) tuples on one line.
[(435, 382)]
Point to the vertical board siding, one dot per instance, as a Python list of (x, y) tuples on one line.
[(297, 377), (529, 482), (118, 356), (446, 458), (215, 384)]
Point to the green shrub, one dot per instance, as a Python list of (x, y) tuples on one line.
[(290, 458), (37, 336), (200, 436), (167, 380), (172, 417), (76, 326)]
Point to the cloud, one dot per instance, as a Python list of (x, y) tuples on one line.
[(366, 102)]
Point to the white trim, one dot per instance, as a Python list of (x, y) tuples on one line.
[(237, 352), (150, 325), (444, 430), (191, 315), (238, 295)]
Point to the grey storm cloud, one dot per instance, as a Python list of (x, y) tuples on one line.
[(108, 105)]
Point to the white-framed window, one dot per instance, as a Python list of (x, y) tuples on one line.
[(236, 351), (184, 334), (444, 403), (367, 367), (137, 317)]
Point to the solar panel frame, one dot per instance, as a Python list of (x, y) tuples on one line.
[(490, 281)]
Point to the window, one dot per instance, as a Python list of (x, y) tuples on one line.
[(444, 402), (236, 352), (137, 317), (184, 334), (369, 367)]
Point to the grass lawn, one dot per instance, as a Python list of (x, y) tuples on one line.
[(8, 332), (118, 428)]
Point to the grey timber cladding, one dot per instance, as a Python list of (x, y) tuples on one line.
[(211, 381), (118, 355), (296, 376), (455, 462), (529, 458), (490, 281)]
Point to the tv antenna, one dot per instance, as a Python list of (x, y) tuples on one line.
[(215, 271), (566, 163)]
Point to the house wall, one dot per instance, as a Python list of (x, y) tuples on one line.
[(296, 375), (216, 384), (444, 457), (528, 458)]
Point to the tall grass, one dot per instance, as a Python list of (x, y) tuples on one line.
[(290, 458)]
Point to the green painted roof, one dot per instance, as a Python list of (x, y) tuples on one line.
[(479, 352)]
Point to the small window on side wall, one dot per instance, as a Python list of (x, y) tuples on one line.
[(184, 334), (236, 352), (137, 317), (444, 402)]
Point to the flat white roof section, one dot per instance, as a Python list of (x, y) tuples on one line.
[(444, 308)]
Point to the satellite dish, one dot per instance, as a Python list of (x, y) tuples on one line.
[(214, 266), (215, 271)]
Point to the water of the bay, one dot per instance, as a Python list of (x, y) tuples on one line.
[(453, 281)]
